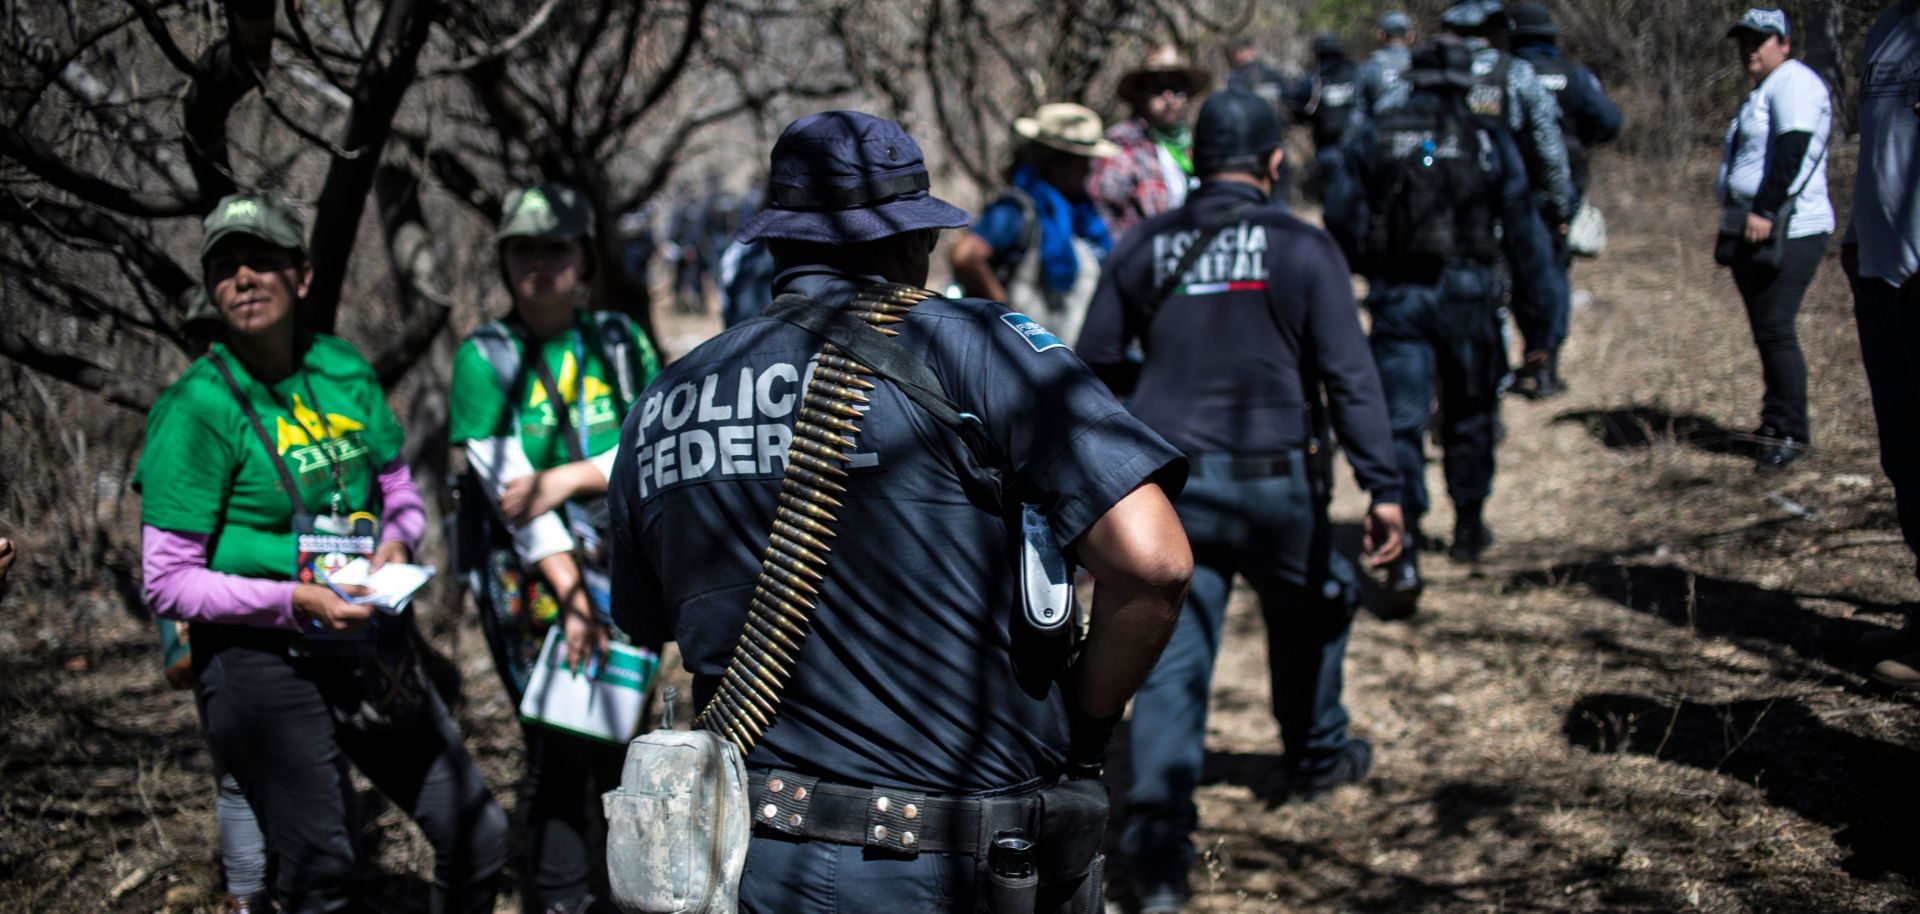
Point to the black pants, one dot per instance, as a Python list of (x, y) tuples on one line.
[(1447, 334), (267, 722), (1890, 347), (1772, 296), (566, 775)]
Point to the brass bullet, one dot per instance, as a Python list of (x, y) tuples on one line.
[(842, 377), (797, 504), (769, 622), (826, 405), (839, 392), (787, 545), (792, 563), (819, 449), (787, 612), (756, 652), (744, 710), (771, 639), (822, 434), (788, 578), (799, 604), (801, 457), (876, 317), (788, 515), (826, 420), (797, 469), (769, 673), (842, 363), (798, 535)]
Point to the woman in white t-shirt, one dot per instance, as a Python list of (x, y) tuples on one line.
[(1773, 184)]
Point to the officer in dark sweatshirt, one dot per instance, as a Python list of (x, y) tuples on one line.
[(1253, 346)]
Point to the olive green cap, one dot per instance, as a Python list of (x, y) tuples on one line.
[(267, 218), (553, 211)]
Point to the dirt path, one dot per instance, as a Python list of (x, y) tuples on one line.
[(1645, 700)]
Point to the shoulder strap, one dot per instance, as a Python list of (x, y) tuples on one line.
[(260, 432), (891, 361), (1209, 230), (496, 345), (575, 452), (616, 343)]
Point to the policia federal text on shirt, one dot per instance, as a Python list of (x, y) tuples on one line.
[(906, 682), (1245, 314)]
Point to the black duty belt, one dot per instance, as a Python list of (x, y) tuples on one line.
[(899, 821)]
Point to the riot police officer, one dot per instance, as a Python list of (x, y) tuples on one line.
[(1433, 196), (769, 481), (1508, 89), (1245, 314), (1382, 77), (1587, 119)]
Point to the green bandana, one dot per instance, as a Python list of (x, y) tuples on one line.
[(1178, 142)]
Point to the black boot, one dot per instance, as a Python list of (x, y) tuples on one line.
[(1546, 381), (1403, 583), (1470, 534)]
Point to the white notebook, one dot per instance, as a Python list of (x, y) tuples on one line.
[(605, 707)]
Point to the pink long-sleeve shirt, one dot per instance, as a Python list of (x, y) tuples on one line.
[(180, 586)]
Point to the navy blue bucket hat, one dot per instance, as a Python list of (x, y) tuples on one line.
[(842, 177)]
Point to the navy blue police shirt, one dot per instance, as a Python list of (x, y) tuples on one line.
[(1224, 353), (906, 679)]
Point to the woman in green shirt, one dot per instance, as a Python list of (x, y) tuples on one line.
[(270, 463), (537, 402)]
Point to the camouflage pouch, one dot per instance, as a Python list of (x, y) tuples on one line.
[(677, 826)]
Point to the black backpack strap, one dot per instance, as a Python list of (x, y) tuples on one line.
[(260, 431), (1209, 230), (891, 361), (575, 452)]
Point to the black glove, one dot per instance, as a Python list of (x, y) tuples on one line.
[(1087, 739)]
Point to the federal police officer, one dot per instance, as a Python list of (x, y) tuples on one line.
[(1587, 118), (915, 701), (1433, 195), (1245, 314), (1508, 89), (1382, 82)]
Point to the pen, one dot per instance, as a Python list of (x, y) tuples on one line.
[(314, 566)]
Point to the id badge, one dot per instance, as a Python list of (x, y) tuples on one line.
[(324, 544)]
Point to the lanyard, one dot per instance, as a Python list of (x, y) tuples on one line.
[(326, 434)]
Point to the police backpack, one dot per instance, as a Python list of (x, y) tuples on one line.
[(1430, 197)]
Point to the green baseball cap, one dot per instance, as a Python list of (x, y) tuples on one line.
[(553, 211), (267, 218)]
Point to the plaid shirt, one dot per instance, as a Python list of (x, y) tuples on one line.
[(1131, 186)]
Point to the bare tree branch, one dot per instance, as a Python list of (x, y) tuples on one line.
[(118, 389), (163, 39), (541, 17), (63, 220), (59, 171), (398, 37)]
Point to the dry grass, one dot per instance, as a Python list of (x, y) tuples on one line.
[(1645, 700)]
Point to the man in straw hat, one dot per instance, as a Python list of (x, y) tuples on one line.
[(1040, 245), (1154, 167), (900, 720)]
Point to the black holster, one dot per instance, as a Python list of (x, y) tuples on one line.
[(1068, 822)]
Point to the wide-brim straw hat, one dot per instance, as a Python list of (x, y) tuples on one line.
[(1069, 128), (1166, 60)]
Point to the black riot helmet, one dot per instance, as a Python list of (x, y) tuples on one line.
[(1442, 63), (1236, 131)]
